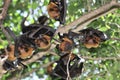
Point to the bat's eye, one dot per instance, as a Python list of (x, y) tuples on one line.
[(51, 9)]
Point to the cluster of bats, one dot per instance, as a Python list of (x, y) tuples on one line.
[(39, 36)]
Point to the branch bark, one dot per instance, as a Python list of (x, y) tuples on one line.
[(2, 17), (90, 16), (4, 9)]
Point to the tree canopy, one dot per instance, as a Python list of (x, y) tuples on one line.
[(101, 63)]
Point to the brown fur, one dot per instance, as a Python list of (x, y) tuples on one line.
[(66, 45), (10, 53), (92, 42), (53, 10), (25, 54), (43, 43), (50, 68)]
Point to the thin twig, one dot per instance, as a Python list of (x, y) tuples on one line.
[(101, 58), (114, 24), (118, 39), (6, 34), (68, 73)]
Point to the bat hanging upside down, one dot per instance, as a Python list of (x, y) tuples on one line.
[(93, 37), (57, 10)]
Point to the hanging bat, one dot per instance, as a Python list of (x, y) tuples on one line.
[(57, 10), (93, 37), (40, 35), (20, 49), (66, 44), (75, 67)]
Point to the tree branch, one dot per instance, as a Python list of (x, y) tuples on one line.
[(4, 9), (6, 34), (2, 17), (118, 39), (90, 16), (82, 25)]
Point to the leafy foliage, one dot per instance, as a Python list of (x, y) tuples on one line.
[(94, 69)]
